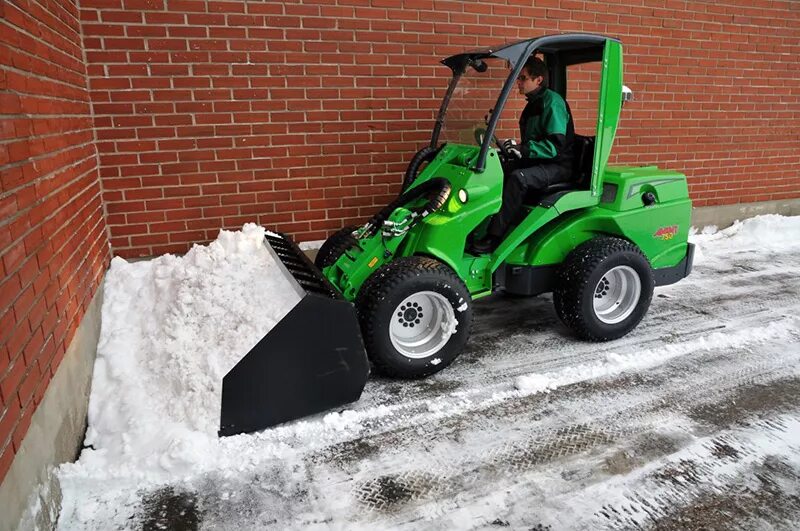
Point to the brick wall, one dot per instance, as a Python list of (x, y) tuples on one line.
[(301, 115), (53, 243)]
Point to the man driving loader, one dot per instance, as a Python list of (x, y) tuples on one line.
[(543, 158)]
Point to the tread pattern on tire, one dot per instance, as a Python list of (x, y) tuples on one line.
[(574, 275), (332, 249), (384, 281)]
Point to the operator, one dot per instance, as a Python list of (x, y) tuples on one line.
[(543, 158)]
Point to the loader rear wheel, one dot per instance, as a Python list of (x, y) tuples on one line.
[(332, 249), (415, 316), (604, 288)]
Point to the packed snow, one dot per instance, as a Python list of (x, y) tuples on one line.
[(172, 327)]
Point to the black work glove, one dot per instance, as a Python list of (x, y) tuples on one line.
[(510, 147)]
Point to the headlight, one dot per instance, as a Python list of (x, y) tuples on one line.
[(462, 195)]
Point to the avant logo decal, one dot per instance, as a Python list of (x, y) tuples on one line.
[(666, 233)]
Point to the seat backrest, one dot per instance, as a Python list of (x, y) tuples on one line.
[(582, 156)]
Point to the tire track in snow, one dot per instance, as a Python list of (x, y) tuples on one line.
[(370, 481), (412, 412), (447, 476), (712, 467), (443, 475)]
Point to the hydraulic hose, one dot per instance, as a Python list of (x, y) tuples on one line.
[(425, 154), (436, 190)]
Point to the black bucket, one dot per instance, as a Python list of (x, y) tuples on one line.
[(313, 360)]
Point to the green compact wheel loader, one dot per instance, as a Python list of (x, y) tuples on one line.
[(397, 292)]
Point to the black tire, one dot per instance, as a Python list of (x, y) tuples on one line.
[(379, 302), (578, 285), (332, 249)]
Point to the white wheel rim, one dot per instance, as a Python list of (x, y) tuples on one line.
[(422, 324), (617, 294)]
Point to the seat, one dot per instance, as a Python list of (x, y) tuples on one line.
[(582, 157)]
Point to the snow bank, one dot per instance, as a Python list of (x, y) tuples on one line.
[(171, 329), (771, 232)]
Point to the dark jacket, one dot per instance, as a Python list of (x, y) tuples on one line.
[(546, 128)]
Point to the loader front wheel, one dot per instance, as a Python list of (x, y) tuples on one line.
[(604, 288), (415, 315), (332, 249)]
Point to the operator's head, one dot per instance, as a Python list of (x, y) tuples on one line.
[(533, 75)]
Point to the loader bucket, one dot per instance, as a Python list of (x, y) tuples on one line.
[(311, 361)]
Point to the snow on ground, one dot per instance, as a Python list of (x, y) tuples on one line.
[(173, 326)]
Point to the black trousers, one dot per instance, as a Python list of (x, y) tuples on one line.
[(520, 183)]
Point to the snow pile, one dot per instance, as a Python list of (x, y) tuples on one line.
[(771, 232), (171, 329)]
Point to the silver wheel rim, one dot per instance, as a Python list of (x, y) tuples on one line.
[(617, 294), (422, 324)]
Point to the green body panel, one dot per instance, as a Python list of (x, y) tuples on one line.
[(537, 218), (660, 231), (442, 234), (613, 205), (609, 106)]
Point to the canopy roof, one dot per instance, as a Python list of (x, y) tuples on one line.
[(578, 44)]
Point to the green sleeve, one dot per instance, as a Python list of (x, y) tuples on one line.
[(553, 124)]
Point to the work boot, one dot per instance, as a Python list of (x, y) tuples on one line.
[(484, 245)]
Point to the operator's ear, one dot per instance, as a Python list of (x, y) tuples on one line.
[(540, 80)]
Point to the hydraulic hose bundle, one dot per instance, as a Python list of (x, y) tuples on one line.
[(422, 156), (436, 191)]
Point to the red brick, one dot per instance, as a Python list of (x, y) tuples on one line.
[(29, 383), (6, 458), (41, 387), (9, 382), (9, 415), (49, 86), (22, 427)]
